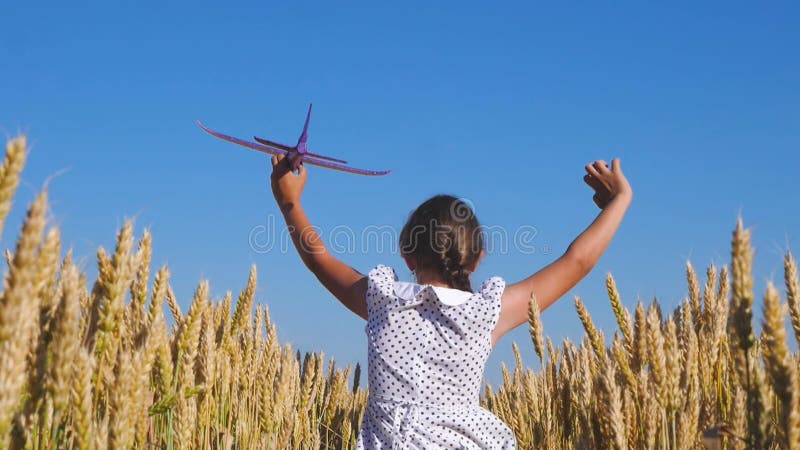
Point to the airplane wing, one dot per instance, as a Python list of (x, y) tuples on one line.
[(260, 147), (335, 166), (272, 143), (329, 158)]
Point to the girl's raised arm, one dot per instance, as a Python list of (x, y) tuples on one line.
[(344, 282), (613, 195)]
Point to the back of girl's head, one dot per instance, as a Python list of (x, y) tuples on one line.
[(443, 236)]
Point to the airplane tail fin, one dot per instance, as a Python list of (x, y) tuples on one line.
[(304, 135)]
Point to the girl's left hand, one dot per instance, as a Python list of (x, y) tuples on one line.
[(286, 185), (606, 182)]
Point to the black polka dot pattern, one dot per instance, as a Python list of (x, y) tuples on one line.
[(425, 368)]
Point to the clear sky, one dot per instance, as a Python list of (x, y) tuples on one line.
[(500, 103)]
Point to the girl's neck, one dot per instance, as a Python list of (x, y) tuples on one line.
[(432, 279)]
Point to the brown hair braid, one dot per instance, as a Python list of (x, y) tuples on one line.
[(443, 234)]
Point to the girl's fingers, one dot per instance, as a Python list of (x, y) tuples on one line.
[(597, 173), (602, 167), (279, 166), (615, 166), (292, 162), (591, 170), (592, 182)]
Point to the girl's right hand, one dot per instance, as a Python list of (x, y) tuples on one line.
[(286, 185), (613, 195), (607, 183)]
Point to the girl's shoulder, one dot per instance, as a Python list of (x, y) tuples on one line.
[(380, 289), (384, 277), (382, 271), (492, 287), (386, 292)]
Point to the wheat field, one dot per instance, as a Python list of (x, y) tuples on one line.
[(96, 365)]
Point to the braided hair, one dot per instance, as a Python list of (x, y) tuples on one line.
[(443, 235)]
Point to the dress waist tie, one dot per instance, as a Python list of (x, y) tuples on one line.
[(405, 414)]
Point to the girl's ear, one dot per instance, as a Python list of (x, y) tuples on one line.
[(409, 262), (477, 261)]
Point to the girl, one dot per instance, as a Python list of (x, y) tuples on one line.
[(428, 341)]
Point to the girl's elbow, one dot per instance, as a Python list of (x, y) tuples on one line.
[(312, 263), (583, 263), (318, 262)]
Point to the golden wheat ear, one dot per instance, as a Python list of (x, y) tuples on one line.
[(13, 162), (535, 327)]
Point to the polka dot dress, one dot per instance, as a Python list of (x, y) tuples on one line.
[(427, 349)]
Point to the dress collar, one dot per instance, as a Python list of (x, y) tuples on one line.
[(449, 296)]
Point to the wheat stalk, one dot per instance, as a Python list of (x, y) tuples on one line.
[(535, 326), (620, 312), (792, 292), (19, 315), (591, 331), (13, 161), (90, 370), (779, 367)]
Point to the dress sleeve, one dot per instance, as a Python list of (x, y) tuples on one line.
[(491, 290), (380, 288)]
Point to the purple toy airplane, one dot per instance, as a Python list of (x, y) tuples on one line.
[(296, 154)]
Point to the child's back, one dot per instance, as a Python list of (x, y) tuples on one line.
[(427, 351), (428, 343)]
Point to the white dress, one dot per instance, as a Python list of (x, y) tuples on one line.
[(427, 348)]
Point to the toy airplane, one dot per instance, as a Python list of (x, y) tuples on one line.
[(298, 153)]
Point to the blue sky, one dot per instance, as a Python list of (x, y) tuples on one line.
[(502, 104)]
